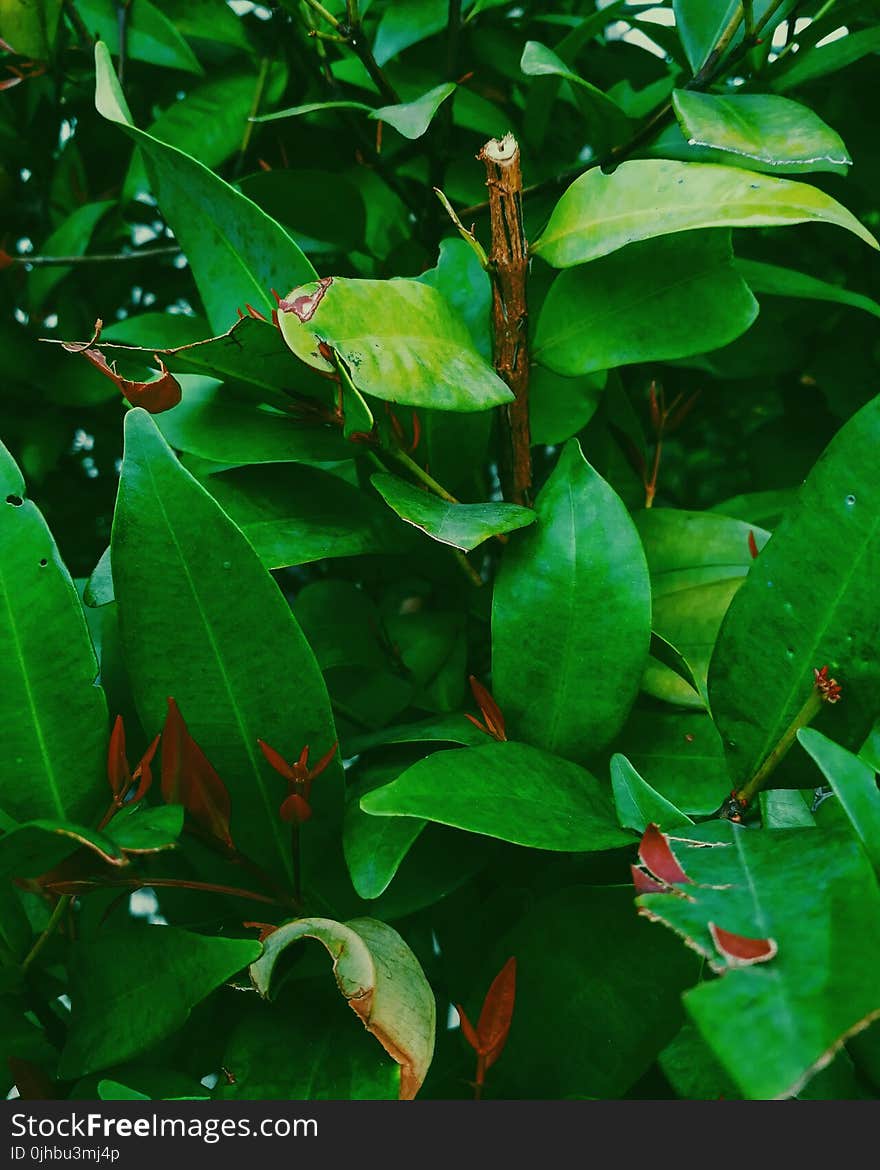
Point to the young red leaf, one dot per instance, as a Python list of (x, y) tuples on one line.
[(490, 710), (189, 778), (657, 856), (467, 1028), (117, 765), (276, 761), (740, 951), (144, 773), (497, 1013), (753, 544)]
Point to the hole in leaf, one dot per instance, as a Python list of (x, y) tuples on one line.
[(43, 562), (16, 501)]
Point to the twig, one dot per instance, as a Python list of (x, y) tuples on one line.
[(122, 10), (95, 258), (48, 930), (508, 267), (254, 110), (173, 884)]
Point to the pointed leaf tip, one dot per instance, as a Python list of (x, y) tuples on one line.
[(656, 854)]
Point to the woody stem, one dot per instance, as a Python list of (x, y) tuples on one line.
[(807, 713)]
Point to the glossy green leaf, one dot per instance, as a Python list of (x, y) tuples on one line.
[(381, 979), (312, 108), (597, 997), (208, 122), (335, 1058), (294, 515), (814, 894), (649, 197), (697, 562), (30, 26), (53, 714), (211, 422), (149, 35), (203, 20), (115, 1017), (679, 753), (506, 790), (576, 581), (559, 407), (855, 784), (809, 601), (412, 119), (400, 339), (237, 253), (772, 280), (146, 830), (638, 804), (35, 847), (213, 630), (700, 24), (375, 847), (817, 61), (655, 300), (785, 808), (773, 132), (539, 61), (463, 526), (404, 25), (71, 238)]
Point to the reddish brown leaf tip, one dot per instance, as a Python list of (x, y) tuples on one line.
[(740, 951), (644, 883), (304, 305), (295, 809), (467, 1028), (160, 394), (490, 710), (656, 854), (495, 1018), (753, 544), (189, 778)]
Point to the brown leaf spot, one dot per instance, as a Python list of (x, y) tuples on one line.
[(740, 951), (656, 854), (305, 305)]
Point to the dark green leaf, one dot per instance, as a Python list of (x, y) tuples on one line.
[(638, 804), (577, 581), (855, 784)]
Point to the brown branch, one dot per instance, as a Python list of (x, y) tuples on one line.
[(508, 267), (96, 258)]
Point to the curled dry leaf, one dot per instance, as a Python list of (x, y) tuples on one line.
[(159, 394), (380, 978), (740, 951)]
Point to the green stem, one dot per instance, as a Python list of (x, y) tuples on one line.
[(807, 713), (49, 929), (421, 475), (97, 258), (262, 78), (175, 884), (323, 13)]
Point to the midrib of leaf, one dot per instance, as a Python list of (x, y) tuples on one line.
[(775, 732), (38, 728), (562, 691), (243, 730)]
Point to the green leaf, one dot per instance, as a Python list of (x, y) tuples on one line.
[(146, 830), (817, 61), (697, 562), (149, 34), (322, 207), (539, 61), (785, 808), (855, 784), (560, 407), (400, 339), (506, 790), (700, 24), (294, 515), (463, 526), (680, 755), (777, 134), (30, 26), (381, 979), (115, 1016), (460, 277), (403, 25), (375, 847), (655, 300), (649, 197), (212, 629), (71, 238), (204, 20), (53, 714), (306, 1046), (597, 997), (638, 804), (312, 108), (211, 422), (237, 253), (412, 119), (772, 280), (35, 847), (813, 893), (577, 581), (809, 601)]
